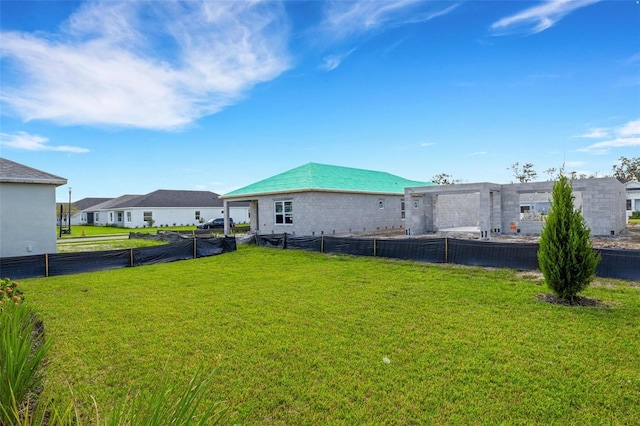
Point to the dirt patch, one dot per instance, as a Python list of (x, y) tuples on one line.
[(628, 238), (576, 301)]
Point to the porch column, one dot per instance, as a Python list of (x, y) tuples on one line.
[(226, 217), (485, 211)]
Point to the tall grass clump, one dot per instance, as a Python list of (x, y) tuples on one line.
[(22, 350), (566, 257)]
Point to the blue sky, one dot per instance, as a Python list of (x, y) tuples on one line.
[(129, 97)]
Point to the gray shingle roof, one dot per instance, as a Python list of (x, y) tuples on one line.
[(162, 198), (85, 203), (12, 172)]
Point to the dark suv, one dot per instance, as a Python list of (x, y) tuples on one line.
[(215, 224)]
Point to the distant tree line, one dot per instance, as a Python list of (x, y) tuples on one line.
[(626, 170)]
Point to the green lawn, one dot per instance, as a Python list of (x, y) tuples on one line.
[(299, 338)]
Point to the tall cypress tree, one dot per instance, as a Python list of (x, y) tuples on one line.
[(566, 257)]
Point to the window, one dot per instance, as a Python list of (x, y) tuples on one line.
[(284, 212), (128, 216), (197, 215), (147, 216), (402, 213), (119, 216), (97, 217), (381, 204), (628, 204), (110, 216), (84, 217)]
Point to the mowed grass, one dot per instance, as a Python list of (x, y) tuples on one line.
[(299, 338)]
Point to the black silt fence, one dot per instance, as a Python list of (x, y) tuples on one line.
[(354, 246), (73, 263), (492, 254), (430, 250), (304, 243), (21, 267), (615, 263)]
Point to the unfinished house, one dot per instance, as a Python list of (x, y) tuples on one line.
[(321, 199), (518, 208)]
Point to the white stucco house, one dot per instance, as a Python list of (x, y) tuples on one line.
[(160, 208), (27, 210), (633, 197)]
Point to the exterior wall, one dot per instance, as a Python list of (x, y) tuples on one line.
[(602, 201), (433, 208), (633, 198), (27, 219), (455, 210), (161, 216), (317, 213)]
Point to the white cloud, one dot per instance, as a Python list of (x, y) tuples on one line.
[(626, 136), (478, 153), (539, 18), (105, 68), (332, 62), (23, 140), (352, 18), (423, 144), (630, 129), (595, 133)]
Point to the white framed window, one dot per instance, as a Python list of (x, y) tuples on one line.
[(198, 215), (128, 216), (628, 204), (110, 216), (402, 209), (147, 216), (97, 218), (119, 216), (283, 212)]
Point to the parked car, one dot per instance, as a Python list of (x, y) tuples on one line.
[(217, 223)]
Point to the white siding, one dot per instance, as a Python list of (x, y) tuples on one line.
[(27, 219)]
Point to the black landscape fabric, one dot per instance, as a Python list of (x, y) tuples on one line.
[(272, 240), (354, 246), (165, 253), (304, 243)]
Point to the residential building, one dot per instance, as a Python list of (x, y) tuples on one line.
[(160, 208), (519, 208), (27, 210), (317, 199), (633, 197)]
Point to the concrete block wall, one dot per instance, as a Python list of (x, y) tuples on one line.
[(329, 213), (456, 210)]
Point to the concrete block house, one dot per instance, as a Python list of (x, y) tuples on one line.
[(517, 208), (317, 199), (27, 210)]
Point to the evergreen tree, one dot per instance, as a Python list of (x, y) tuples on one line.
[(566, 257)]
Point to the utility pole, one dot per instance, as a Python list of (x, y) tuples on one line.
[(69, 211)]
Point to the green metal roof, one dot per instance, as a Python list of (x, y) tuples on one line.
[(322, 177)]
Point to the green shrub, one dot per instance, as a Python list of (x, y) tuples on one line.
[(566, 258), (22, 350), (635, 215)]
